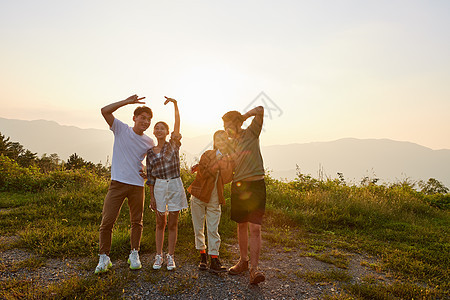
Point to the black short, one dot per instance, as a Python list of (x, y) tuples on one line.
[(248, 201)]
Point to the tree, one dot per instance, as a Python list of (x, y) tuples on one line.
[(48, 163), (17, 152), (433, 186), (14, 150), (4, 144), (26, 158), (75, 162)]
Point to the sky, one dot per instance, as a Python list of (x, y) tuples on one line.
[(324, 70)]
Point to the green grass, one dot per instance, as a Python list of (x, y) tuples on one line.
[(397, 290), (10, 200), (109, 286), (407, 230), (394, 223), (334, 257)]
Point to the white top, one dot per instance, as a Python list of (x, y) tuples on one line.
[(129, 151)]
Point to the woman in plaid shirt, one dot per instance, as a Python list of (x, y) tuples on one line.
[(166, 188)]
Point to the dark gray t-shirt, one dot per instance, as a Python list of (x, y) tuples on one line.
[(249, 161)]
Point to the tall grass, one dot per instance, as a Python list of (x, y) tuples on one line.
[(394, 222), (58, 215)]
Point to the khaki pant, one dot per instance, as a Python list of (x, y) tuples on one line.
[(114, 199), (211, 211)]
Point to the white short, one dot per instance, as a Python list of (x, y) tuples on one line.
[(170, 195)]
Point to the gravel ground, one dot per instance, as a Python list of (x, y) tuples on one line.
[(187, 282)]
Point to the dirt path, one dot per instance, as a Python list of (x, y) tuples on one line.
[(289, 275)]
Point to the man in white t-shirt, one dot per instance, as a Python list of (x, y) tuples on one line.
[(130, 149)]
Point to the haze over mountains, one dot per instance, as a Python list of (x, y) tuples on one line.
[(385, 159)]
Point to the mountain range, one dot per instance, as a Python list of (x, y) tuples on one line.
[(385, 159)]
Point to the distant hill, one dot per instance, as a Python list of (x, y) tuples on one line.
[(43, 136), (356, 158)]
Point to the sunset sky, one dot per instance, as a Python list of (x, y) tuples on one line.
[(330, 69)]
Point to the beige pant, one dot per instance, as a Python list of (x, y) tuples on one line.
[(117, 193), (211, 212)]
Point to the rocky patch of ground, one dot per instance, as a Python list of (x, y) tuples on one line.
[(290, 274)]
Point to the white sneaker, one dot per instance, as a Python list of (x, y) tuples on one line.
[(104, 263), (170, 262), (134, 261), (158, 262)]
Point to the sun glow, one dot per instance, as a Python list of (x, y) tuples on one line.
[(205, 93)]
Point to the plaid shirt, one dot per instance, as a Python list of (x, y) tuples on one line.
[(166, 164)]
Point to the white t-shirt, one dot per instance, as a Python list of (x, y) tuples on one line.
[(129, 151)]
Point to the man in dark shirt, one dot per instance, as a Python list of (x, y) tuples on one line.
[(248, 190)]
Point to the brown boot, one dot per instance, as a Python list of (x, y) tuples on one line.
[(203, 261), (215, 266), (238, 268), (256, 276)]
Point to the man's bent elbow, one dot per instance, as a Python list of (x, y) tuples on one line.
[(260, 110)]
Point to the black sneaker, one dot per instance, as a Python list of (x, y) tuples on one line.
[(203, 261), (215, 266)]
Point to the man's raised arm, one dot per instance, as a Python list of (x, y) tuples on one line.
[(257, 122), (255, 112), (108, 110)]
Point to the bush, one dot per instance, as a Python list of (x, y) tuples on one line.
[(433, 186), (438, 200), (14, 178)]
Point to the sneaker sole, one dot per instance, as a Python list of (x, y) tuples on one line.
[(236, 273), (156, 267), (171, 268), (218, 271), (134, 268), (103, 271)]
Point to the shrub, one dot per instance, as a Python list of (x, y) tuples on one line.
[(438, 200), (433, 186), (15, 178)]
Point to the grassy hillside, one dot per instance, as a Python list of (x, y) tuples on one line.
[(57, 215)]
